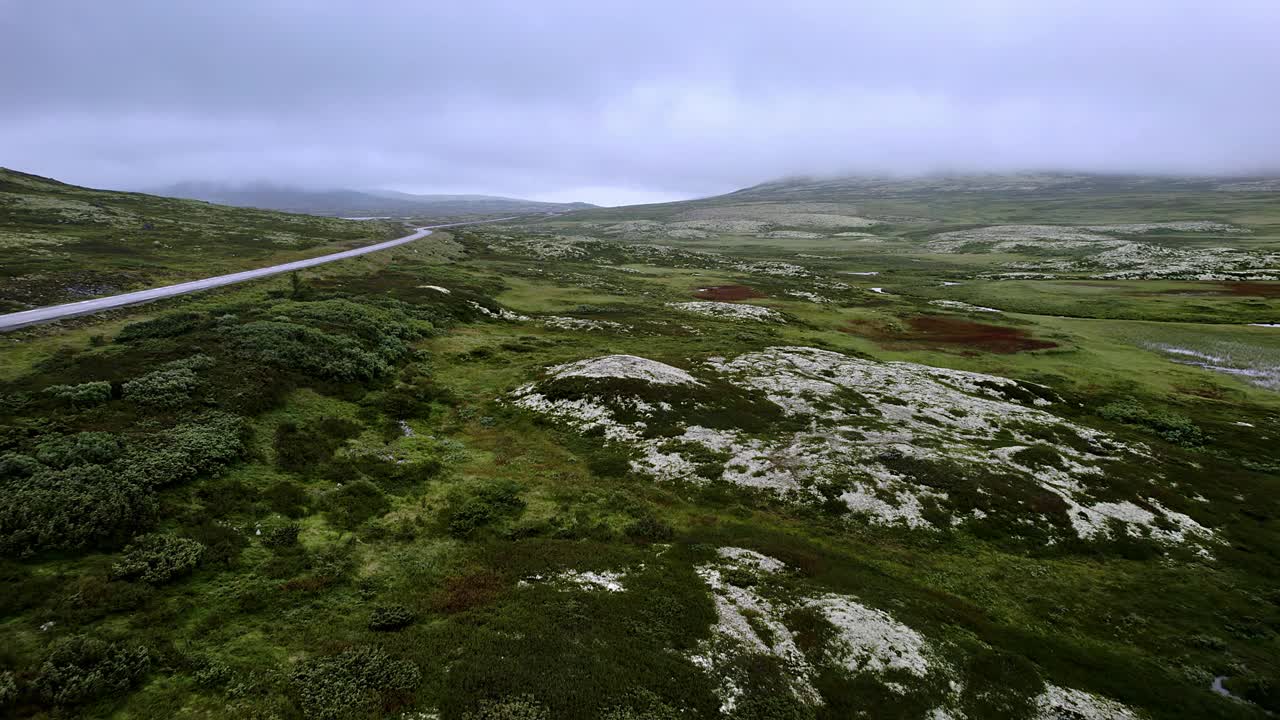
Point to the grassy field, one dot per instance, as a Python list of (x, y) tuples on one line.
[(512, 473)]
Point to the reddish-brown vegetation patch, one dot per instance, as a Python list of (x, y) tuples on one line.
[(463, 592), (726, 293), (1255, 289), (936, 332)]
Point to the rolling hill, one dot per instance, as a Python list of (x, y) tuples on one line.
[(62, 242), (356, 203)]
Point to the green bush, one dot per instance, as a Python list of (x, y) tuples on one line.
[(649, 529), (82, 395), (165, 326), (169, 388), (524, 707), (1174, 428), (8, 689), (82, 669), (285, 535), (86, 448), (390, 617), (303, 349), (287, 498), (158, 558), (355, 684), (16, 466), (73, 509), (473, 508), (353, 503), (187, 450)]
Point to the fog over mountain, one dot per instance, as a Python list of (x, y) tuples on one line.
[(630, 101)]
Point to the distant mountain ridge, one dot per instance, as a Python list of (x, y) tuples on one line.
[(356, 203)]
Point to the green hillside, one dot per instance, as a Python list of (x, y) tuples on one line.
[(60, 243)]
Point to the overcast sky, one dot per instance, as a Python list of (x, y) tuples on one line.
[(617, 102)]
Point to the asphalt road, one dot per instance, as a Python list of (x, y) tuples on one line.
[(16, 320)]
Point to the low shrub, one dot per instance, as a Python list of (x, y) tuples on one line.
[(158, 558), (82, 395), (470, 509), (305, 350), (164, 326), (287, 498), (187, 450), (649, 529), (168, 388), (353, 684), (280, 536), (1173, 427), (352, 504), (81, 669), (72, 509), (86, 448), (523, 707), (390, 617)]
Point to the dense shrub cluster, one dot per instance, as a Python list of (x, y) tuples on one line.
[(82, 395), (168, 388), (164, 326), (524, 707), (86, 448), (473, 508), (281, 536), (158, 558), (353, 684), (390, 617), (82, 669), (353, 503), (75, 508), (187, 450), (1175, 428)]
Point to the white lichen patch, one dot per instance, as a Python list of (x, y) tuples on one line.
[(629, 367), (747, 622), (729, 311), (602, 581), (571, 323), (810, 296), (1059, 703), (499, 314), (1096, 250), (859, 421), (871, 639), (962, 306), (777, 269)]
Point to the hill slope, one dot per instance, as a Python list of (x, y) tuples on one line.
[(355, 203), (61, 242)]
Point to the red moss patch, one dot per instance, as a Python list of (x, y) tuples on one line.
[(463, 592), (726, 293), (1254, 289), (936, 332)]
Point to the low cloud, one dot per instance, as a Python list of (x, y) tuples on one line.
[(627, 100)]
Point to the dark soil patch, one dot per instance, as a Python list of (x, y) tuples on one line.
[(936, 332), (725, 293)]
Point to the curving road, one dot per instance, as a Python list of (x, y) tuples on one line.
[(16, 320)]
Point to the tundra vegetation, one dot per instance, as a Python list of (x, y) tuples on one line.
[(671, 461)]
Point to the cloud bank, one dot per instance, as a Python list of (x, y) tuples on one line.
[(630, 100)]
